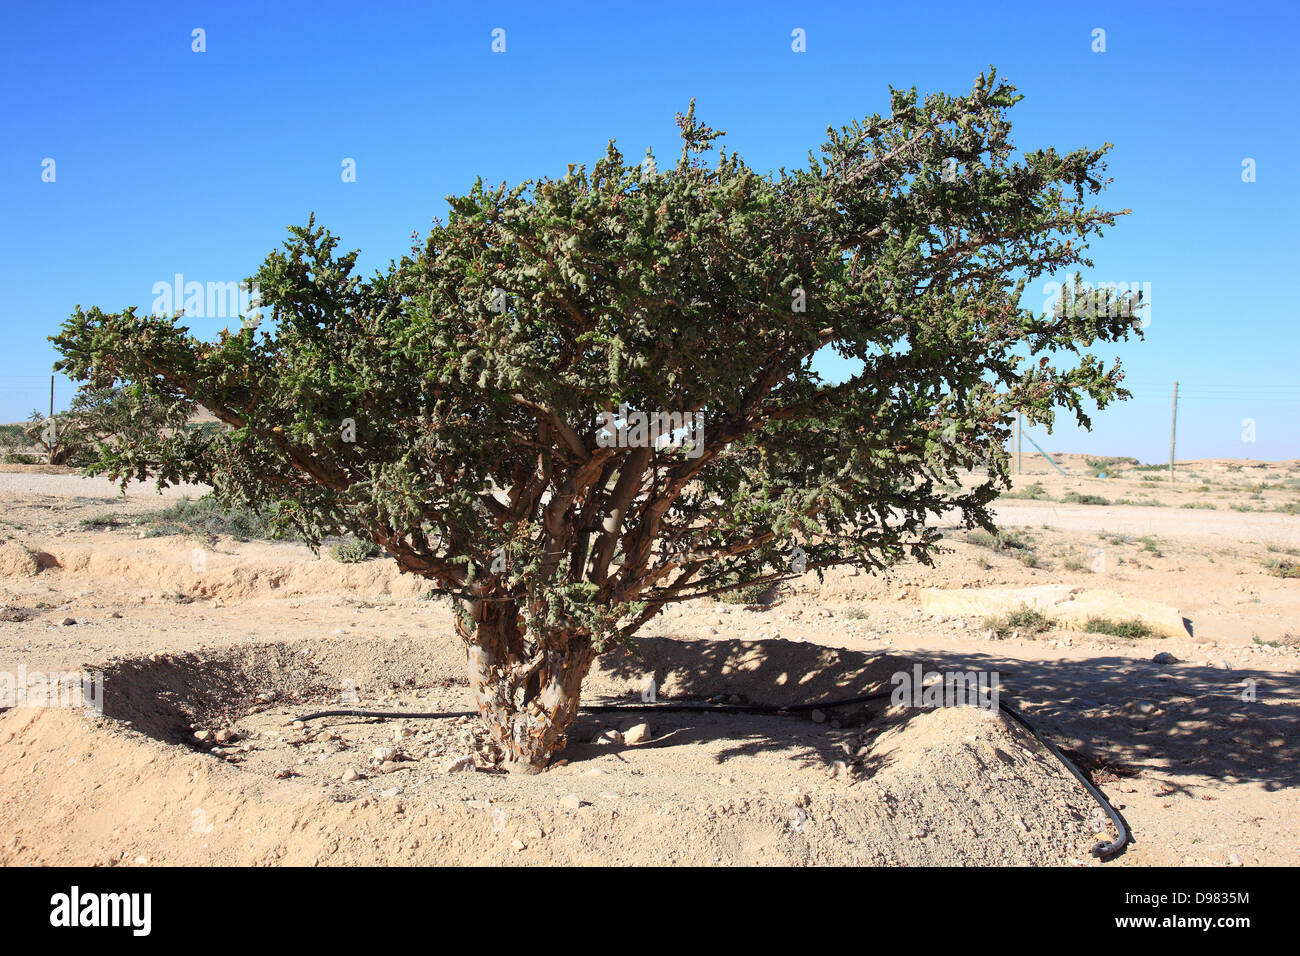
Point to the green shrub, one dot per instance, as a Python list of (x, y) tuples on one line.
[(23, 458), (205, 517), (1281, 568), (745, 594), (1005, 540), (1032, 492), (1074, 498), (1108, 462), (1132, 629), (353, 551), (99, 522), (1025, 619)]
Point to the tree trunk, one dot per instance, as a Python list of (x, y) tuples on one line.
[(527, 714)]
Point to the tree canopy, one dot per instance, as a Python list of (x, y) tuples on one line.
[(455, 407)]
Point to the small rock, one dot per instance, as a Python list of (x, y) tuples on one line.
[(69, 621), (350, 775), (610, 737), (818, 717), (1146, 707), (1234, 860), (202, 736), (457, 764), (572, 801), (637, 733), (224, 736), (283, 773), (142, 860), (1164, 657), (518, 845), (383, 754), (388, 766)]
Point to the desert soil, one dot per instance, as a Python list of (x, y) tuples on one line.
[(210, 647)]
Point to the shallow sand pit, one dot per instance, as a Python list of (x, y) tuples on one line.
[(210, 769)]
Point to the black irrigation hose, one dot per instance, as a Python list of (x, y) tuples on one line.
[(1102, 850)]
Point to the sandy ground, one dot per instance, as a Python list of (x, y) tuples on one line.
[(243, 639)]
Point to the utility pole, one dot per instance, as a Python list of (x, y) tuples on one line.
[(1173, 431), (1018, 427), (51, 396)]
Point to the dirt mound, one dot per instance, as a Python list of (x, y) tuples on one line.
[(210, 770), (232, 573), (17, 561)]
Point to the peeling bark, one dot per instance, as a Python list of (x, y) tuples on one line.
[(527, 701)]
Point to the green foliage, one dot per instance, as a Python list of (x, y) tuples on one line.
[(13, 434), (741, 593), (99, 522), (1074, 498), (1031, 492), (1281, 568), (104, 419), (1108, 464), (353, 551), (206, 517), (1007, 539), (1133, 629), (447, 406), (1024, 619)]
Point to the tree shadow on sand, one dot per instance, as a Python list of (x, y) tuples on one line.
[(1125, 713)]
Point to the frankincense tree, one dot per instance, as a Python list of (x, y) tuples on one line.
[(503, 410)]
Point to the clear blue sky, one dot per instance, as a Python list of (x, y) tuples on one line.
[(170, 161)]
